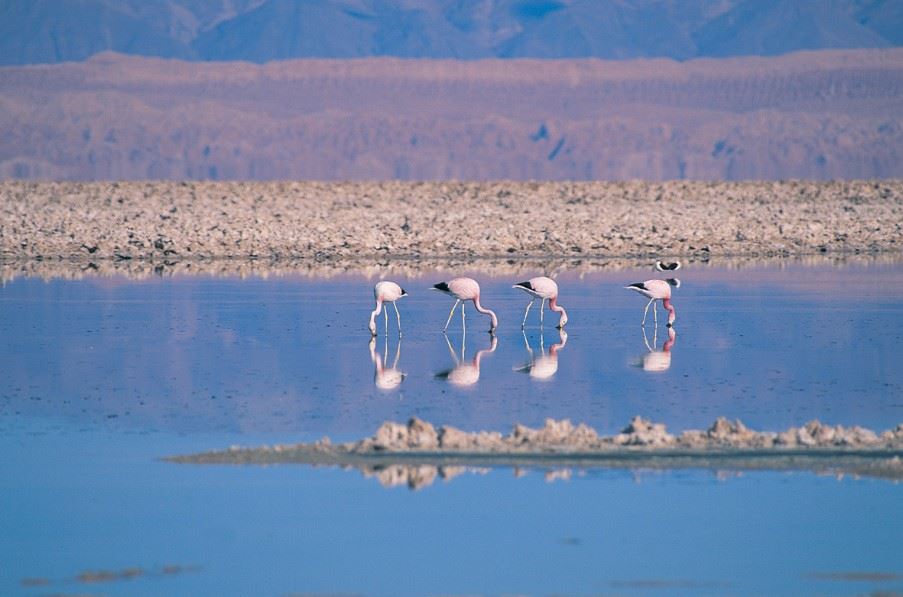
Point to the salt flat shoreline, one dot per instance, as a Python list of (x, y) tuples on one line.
[(416, 452), (171, 222)]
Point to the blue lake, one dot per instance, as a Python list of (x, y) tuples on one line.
[(103, 376)]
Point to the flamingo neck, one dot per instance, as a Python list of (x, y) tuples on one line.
[(375, 312), (554, 306), (489, 312)]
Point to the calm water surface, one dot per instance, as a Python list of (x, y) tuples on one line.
[(103, 376)]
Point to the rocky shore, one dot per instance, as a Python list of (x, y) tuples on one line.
[(414, 449), (171, 222)]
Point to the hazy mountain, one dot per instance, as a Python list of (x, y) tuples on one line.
[(826, 114), (773, 27), (47, 31), (67, 30)]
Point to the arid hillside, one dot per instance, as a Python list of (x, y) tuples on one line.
[(51, 31), (819, 115)]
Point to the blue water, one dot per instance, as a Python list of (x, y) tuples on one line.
[(103, 376)]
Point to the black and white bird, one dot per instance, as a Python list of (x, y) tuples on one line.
[(661, 266)]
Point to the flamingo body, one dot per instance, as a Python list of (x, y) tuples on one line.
[(465, 289), (543, 288)]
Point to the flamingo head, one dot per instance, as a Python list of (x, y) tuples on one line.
[(562, 321), (373, 329)]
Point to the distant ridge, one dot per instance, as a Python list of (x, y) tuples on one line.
[(820, 115), (51, 31)]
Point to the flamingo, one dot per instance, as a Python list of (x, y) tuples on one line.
[(386, 291), (465, 289), (657, 290), (546, 289)]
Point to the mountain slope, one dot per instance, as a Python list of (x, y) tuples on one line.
[(773, 27), (48, 31), (827, 114), (66, 30)]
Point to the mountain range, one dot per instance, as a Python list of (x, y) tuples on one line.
[(823, 114), (52, 31)]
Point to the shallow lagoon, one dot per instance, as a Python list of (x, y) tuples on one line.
[(106, 375)]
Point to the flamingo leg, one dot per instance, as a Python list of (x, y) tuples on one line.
[(655, 315), (646, 311), (397, 317), (463, 324), (448, 321), (386, 314), (542, 308), (527, 312)]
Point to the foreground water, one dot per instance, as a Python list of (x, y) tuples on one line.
[(104, 376)]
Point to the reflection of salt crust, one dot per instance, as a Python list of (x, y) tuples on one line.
[(415, 453)]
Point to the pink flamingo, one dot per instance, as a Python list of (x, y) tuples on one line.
[(657, 290), (546, 289), (386, 292), (465, 289)]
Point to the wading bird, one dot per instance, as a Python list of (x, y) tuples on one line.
[(545, 289), (386, 292), (465, 289), (657, 290), (667, 267)]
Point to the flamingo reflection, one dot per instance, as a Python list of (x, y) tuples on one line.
[(466, 373), (544, 366), (658, 360), (385, 377)]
